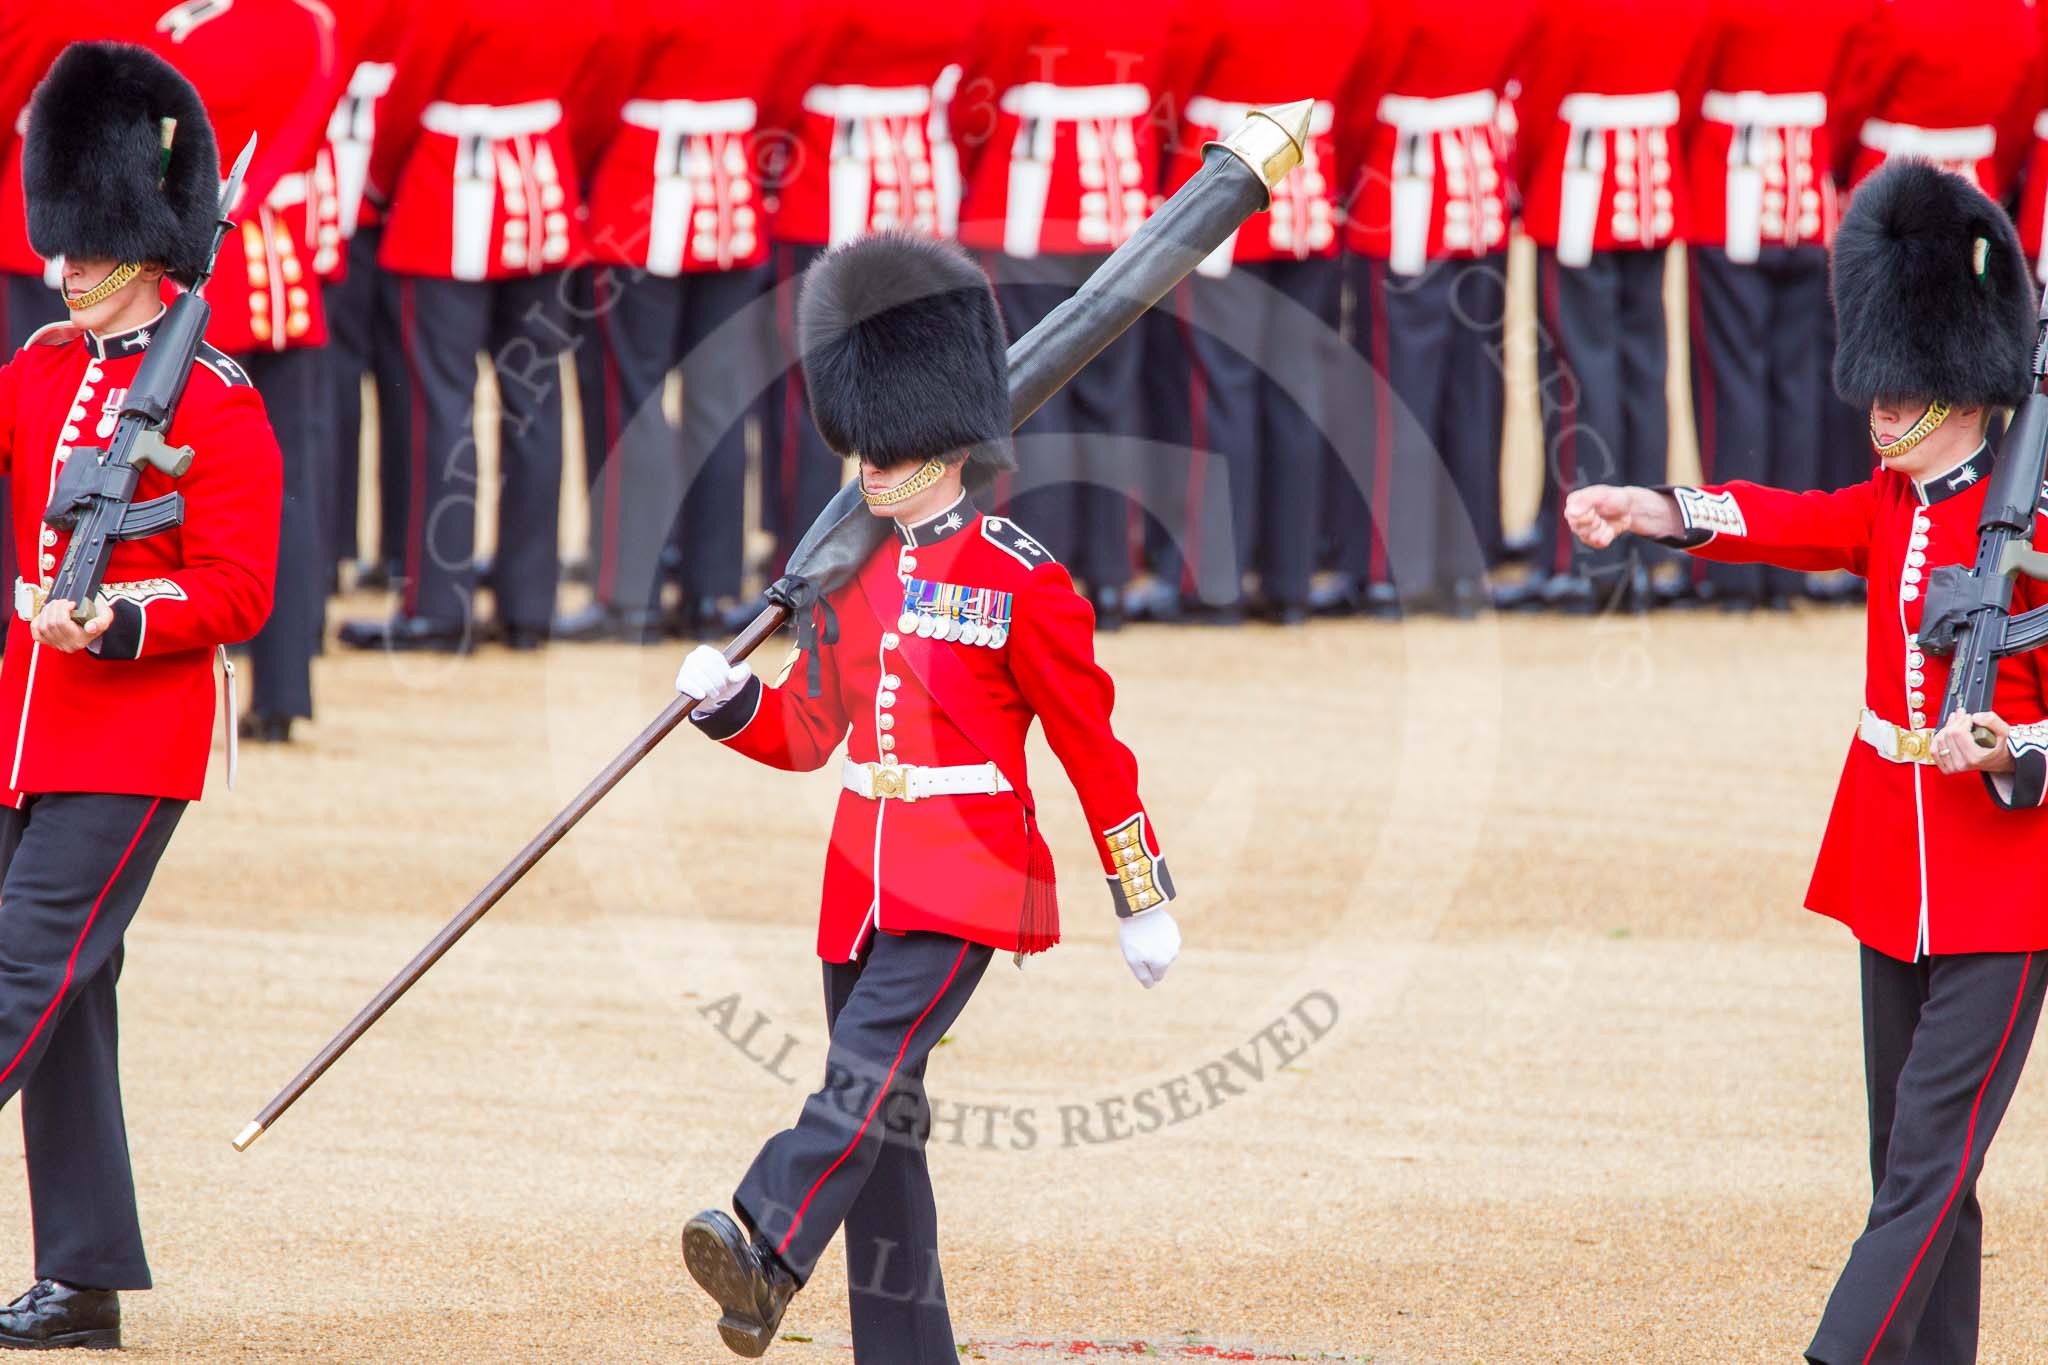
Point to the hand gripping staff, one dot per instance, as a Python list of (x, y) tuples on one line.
[(93, 498), (1236, 180)]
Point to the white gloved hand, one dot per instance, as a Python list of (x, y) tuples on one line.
[(706, 676), (1151, 941)]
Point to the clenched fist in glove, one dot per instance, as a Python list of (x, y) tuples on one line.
[(706, 676), (1151, 941)]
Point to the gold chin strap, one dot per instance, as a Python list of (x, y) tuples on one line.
[(1936, 414), (116, 280), (928, 474)]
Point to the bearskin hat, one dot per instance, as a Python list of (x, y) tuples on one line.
[(93, 168), (1933, 302), (904, 353)]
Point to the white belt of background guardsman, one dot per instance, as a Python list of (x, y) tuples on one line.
[(1104, 119), (351, 130), (1758, 120), (480, 130), (858, 113), (1589, 119), (1953, 149), (907, 782), (30, 597), (1418, 123), (677, 124), (1300, 205)]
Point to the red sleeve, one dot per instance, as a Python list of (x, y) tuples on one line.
[(432, 39), (1544, 74), (1382, 53), (10, 384), (1747, 523), (1052, 657), (233, 491), (1870, 60), (2016, 125), (603, 83), (784, 726)]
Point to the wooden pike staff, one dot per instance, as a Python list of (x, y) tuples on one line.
[(1236, 180)]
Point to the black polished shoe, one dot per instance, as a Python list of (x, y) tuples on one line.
[(1156, 601), (261, 728), (53, 1316), (743, 1278), (522, 638), (1109, 608), (1383, 602), (406, 633), (1336, 596)]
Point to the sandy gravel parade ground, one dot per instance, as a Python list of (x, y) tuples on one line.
[(1500, 1035)]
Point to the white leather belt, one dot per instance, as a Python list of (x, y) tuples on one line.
[(1066, 103), (1587, 110), (1756, 109), (1895, 742), (1413, 114), (371, 80), (28, 599), (868, 101), (1227, 116), (494, 121), (1936, 144), (691, 117), (2041, 125), (905, 782), (289, 192)]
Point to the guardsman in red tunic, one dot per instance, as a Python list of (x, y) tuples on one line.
[(1060, 122), (949, 641), (680, 240), (1604, 197), (1934, 79), (1759, 159), (30, 39), (1427, 164), (266, 298), (1255, 478), (480, 149), (108, 726), (1936, 314), (866, 142)]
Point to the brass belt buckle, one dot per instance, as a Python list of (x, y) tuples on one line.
[(1913, 745), (890, 783)]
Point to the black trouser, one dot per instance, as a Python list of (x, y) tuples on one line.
[(1252, 480), (1434, 343), (1846, 453), (799, 472), (73, 868), (649, 483), (1944, 1041), (26, 304), (522, 324), (1601, 371), (1757, 355), (856, 1156), (1075, 488), (363, 339), (281, 656)]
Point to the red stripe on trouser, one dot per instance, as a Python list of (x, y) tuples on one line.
[(1198, 441), (881, 1093), (1382, 518), (1567, 416), (416, 533), (1705, 390), (71, 966), (1962, 1171)]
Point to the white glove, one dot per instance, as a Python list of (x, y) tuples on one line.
[(1151, 941), (706, 676)]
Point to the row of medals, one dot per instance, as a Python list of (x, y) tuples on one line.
[(955, 619)]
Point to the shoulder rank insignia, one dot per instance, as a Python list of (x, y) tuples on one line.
[(1014, 541), (233, 375), (949, 611)]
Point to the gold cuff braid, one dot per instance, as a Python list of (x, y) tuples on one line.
[(1936, 414), (928, 474)]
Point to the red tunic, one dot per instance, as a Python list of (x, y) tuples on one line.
[(1060, 127), (954, 864), (2023, 148), (481, 140), (1423, 132), (1220, 67), (29, 42), (1760, 154), (872, 141), (1913, 860), (1933, 79), (136, 718), (1599, 116), (675, 187)]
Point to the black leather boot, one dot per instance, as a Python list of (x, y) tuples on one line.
[(53, 1316), (744, 1278)]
